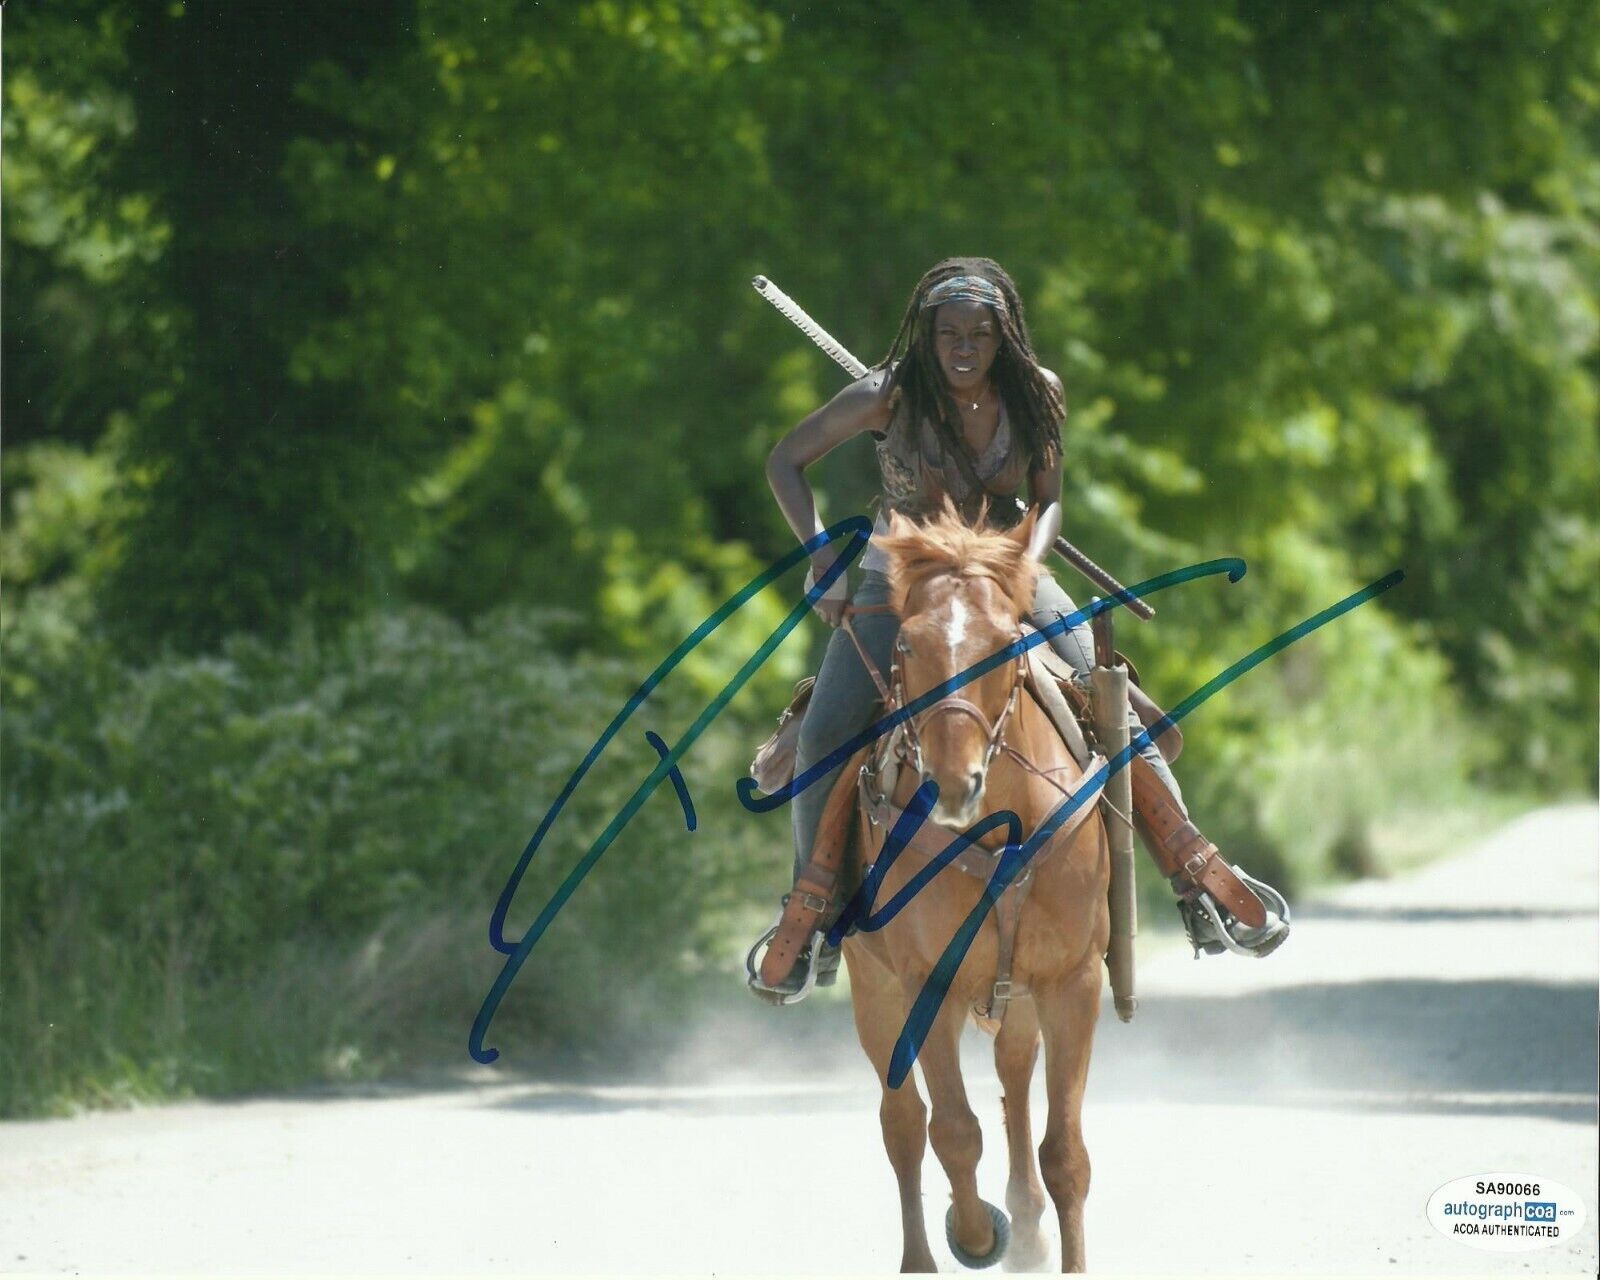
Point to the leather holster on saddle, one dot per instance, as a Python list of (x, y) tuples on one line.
[(773, 766)]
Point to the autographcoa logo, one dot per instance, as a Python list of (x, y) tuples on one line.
[(1506, 1213)]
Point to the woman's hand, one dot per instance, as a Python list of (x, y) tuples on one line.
[(832, 604)]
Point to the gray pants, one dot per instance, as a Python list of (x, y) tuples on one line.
[(845, 700)]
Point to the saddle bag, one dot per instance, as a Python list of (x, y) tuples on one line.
[(773, 767)]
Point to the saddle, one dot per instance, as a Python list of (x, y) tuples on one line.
[(773, 766)]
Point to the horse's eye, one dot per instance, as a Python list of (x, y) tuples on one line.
[(903, 646)]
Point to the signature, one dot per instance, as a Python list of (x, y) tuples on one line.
[(858, 913)]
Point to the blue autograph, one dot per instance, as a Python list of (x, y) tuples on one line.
[(857, 913)]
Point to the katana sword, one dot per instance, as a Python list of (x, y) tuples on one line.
[(797, 316)]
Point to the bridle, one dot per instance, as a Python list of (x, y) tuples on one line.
[(994, 731), (894, 695)]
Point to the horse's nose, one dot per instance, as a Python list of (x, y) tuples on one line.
[(974, 782), (974, 785)]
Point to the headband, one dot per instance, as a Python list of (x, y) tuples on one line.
[(966, 289)]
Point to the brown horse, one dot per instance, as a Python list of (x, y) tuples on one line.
[(959, 593)]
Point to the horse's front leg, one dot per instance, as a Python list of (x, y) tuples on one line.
[(1016, 1049), (954, 1130), (879, 1011), (1067, 1016)]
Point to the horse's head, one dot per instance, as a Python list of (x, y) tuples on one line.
[(959, 591)]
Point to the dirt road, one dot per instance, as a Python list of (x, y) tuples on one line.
[(1290, 1115)]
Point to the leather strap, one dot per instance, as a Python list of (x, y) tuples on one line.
[(980, 863), (866, 658), (1008, 912), (1183, 855), (929, 842), (1007, 915), (967, 465), (926, 841), (809, 906)]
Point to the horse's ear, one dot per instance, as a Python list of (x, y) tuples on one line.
[(1022, 535)]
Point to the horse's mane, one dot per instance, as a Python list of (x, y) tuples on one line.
[(945, 543)]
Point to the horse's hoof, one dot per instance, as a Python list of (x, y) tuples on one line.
[(1002, 1238)]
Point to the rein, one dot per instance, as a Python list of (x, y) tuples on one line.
[(861, 649), (894, 698)]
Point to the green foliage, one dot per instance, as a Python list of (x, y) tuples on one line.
[(453, 306), (86, 333), (59, 516), (182, 831)]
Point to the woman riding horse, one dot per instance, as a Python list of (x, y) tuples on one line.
[(961, 408)]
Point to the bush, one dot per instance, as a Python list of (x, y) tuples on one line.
[(250, 867)]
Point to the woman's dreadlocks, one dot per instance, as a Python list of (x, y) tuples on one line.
[(1035, 406)]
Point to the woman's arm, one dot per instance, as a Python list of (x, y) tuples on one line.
[(859, 407), (1044, 492)]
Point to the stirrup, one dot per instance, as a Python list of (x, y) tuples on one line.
[(1213, 930), (820, 961)]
